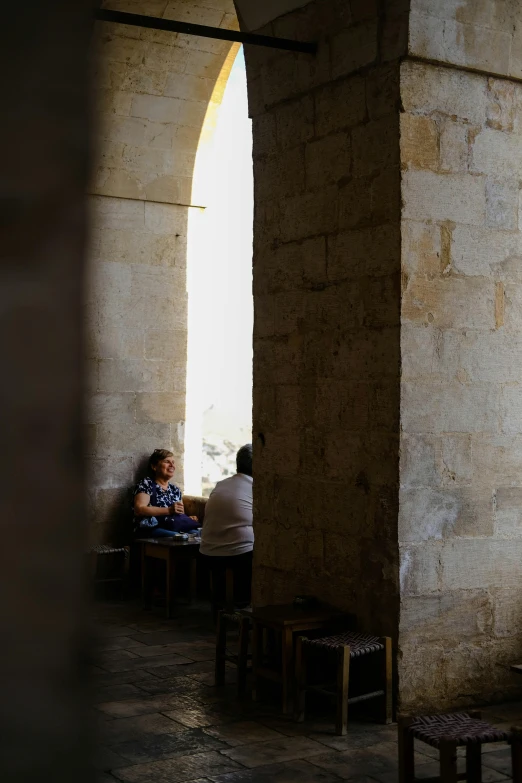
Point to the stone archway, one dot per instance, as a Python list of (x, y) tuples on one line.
[(157, 94)]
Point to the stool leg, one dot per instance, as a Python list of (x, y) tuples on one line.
[(448, 761), (343, 681), (516, 753), (287, 669), (388, 680), (221, 646), (242, 662), (193, 580), (257, 655), (406, 751), (300, 680), (474, 762)]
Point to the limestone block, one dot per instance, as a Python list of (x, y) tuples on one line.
[(131, 375), (477, 47), (371, 251), (328, 160), (429, 354), (150, 304), (149, 160), (169, 345), (278, 360), (441, 514), (164, 57), (472, 564), (451, 303), (156, 108), (129, 130), (480, 251), (502, 198), (383, 90), (422, 251), (368, 356), (204, 64), (264, 410), (340, 105), (339, 307), (444, 618), (188, 87), (422, 670), (139, 439), (375, 146), (134, 247), (111, 101), (381, 300), (264, 315), (354, 47), (507, 612), (142, 80), (454, 146), (450, 407), (281, 451), (491, 357), (508, 512), (427, 88), (385, 406), (497, 154), (165, 219), (272, 185), (455, 460), (110, 411), (170, 190), (457, 197), (426, 37), (295, 122), (290, 310), (112, 472), (120, 49), (515, 65), (499, 458), (291, 266), (309, 214), (512, 302), (385, 195), (194, 12), (394, 34), (511, 409), (497, 16), (355, 203), (109, 75), (419, 461), (500, 106), (419, 142), (264, 134), (420, 568), (114, 342), (114, 213)]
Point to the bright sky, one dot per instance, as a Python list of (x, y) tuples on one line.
[(220, 277)]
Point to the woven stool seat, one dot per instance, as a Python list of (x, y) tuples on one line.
[(359, 643), (456, 727), (104, 549)]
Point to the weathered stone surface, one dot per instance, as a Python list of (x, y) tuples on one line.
[(457, 197), (419, 142)]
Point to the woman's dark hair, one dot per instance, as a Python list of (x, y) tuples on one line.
[(157, 456), (244, 460)]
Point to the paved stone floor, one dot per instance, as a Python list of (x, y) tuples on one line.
[(161, 719)]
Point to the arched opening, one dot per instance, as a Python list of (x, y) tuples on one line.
[(157, 97), (220, 311)]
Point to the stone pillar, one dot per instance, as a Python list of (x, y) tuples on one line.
[(387, 330), (461, 347)]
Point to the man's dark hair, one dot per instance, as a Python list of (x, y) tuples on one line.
[(244, 460)]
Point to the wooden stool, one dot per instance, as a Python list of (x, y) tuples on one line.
[(227, 616), (345, 646), (104, 551), (225, 620), (447, 733)]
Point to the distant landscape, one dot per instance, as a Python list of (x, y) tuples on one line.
[(219, 449)]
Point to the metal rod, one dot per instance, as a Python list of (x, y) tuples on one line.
[(171, 26)]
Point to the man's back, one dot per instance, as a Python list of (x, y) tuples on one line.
[(227, 527)]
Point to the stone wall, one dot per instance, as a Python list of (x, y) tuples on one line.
[(327, 310), (461, 401), (157, 98)]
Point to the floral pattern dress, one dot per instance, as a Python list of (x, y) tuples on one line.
[(164, 499)]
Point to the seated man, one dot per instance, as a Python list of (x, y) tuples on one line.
[(227, 538)]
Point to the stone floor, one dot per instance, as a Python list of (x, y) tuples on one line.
[(161, 719)]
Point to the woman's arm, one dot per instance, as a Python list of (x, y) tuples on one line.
[(142, 508)]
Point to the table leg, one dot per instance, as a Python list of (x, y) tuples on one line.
[(193, 580), (169, 582), (287, 669), (145, 580)]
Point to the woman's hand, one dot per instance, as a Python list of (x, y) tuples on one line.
[(177, 508)]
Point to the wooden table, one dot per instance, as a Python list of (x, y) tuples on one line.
[(288, 620), (172, 552)]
